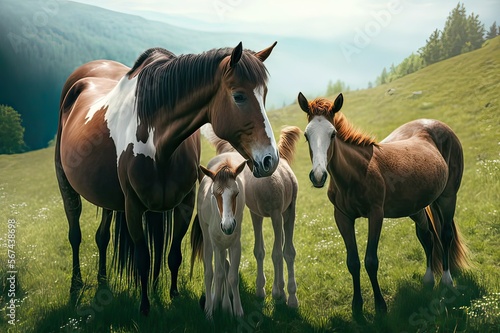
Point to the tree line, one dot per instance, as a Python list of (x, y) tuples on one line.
[(461, 33)]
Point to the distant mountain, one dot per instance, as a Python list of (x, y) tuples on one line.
[(42, 42)]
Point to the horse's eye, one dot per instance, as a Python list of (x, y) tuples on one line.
[(239, 98)]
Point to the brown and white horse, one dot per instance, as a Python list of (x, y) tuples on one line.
[(274, 197), (416, 171), (118, 128)]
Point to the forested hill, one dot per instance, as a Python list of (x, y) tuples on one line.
[(43, 41)]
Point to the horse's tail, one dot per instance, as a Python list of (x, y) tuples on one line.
[(221, 146), (196, 243), (159, 236), (458, 253), (286, 144), (123, 251)]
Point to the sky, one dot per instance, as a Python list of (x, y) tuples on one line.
[(362, 36)]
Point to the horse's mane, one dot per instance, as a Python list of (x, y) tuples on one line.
[(167, 79), (345, 130), (224, 174)]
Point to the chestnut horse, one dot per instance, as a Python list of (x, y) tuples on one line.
[(118, 128), (416, 171), (274, 197)]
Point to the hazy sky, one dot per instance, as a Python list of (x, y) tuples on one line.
[(308, 18), (354, 39)]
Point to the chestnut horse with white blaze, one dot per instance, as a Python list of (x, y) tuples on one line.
[(416, 171), (118, 128)]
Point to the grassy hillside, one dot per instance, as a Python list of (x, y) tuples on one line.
[(462, 91)]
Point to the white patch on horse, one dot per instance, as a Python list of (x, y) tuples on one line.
[(122, 121), (319, 132), (259, 95)]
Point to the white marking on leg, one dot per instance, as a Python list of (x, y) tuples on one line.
[(428, 277), (446, 278)]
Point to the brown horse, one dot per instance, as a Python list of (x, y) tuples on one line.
[(418, 165), (118, 128), (273, 197), (184, 164)]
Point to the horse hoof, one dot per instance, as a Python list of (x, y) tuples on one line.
[(144, 309), (174, 294), (202, 301), (293, 302)]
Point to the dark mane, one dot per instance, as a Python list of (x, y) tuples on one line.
[(345, 130), (167, 80)]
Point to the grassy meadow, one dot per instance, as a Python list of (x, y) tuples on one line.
[(463, 91)]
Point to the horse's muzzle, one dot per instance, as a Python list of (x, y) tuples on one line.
[(318, 183), (228, 229), (266, 167)]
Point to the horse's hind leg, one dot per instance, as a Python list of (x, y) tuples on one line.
[(102, 237), (73, 209), (289, 254), (182, 218), (259, 253), (424, 235), (445, 207)]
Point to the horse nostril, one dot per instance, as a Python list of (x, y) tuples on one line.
[(267, 163), (315, 182)]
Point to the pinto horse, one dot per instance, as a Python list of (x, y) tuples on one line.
[(274, 197), (216, 233), (184, 164), (416, 171), (118, 128)]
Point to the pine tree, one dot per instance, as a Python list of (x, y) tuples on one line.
[(492, 32), (433, 50), (455, 32), (475, 32)]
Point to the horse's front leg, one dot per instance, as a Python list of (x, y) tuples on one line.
[(220, 275), (277, 255), (233, 277), (371, 258), (346, 228), (133, 215), (208, 272)]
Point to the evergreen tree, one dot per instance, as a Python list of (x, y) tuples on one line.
[(455, 32), (433, 50), (475, 32), (11, 131), (492, 32), (335, 88), (382, 78)]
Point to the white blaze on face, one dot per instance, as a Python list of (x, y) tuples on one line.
[(319, 132), (227, 214), (121, 118), (263, 151)]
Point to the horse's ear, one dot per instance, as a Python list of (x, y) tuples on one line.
[(207, 172), (264, 54), (240, 168), (236, 54), (304, 104), (337, 105)]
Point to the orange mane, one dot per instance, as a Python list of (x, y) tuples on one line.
[(345, 130)]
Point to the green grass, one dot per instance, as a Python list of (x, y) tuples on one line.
[(462, 91)]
